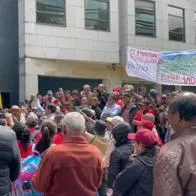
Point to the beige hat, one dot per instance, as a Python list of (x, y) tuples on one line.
[(129, 88), (115, 121)]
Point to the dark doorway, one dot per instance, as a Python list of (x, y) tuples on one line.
[(54, 83), (5, 99), (189, 88), (168, 89)]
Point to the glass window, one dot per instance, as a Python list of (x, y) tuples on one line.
[(176, 24), (97, 14), (51, 11), (145, 18)]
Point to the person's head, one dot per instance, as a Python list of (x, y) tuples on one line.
[(148, 116), (50, 95), (142, 91), (33, 97), (73, 124), (182, 111), (94, 101), (50, 109), (154, 94), (3, 122), (61, 95), (95, 92), (113, 122), (120, 134), (128, 89), (145, 139), (86, 88), (101, 88), (100, 128), (18, 128), (75, 94), (57, 95), (111, 99), (22, 133), (117, 90), (48, 129), (143, 105), (57, 119), (90, 113), (126, 98), (60, 90), (67, 94), (84, 101), (32, 120)]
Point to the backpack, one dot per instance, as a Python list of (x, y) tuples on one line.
[(23, 185)]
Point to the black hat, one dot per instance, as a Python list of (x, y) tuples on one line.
[(100, 127), (121, 131)]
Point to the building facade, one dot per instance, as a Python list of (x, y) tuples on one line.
[(71, 42), (157, 25), (9, 69)]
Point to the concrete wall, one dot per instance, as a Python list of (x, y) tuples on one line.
[(34, 67), (9, 48), (72, 42), (161, 42)]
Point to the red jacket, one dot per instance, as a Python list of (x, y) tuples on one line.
[(70, 169)]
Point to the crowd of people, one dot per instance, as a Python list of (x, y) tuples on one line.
[(95, 143)]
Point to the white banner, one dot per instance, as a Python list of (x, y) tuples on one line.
[(169, 68), (142, 64)]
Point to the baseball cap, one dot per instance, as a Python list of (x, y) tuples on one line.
[(145, 123), (129, 88), (117, 90), (144, 136), (115, 121)]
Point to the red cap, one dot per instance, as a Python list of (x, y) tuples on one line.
[(117, 90), (146, 124), (144, 136)]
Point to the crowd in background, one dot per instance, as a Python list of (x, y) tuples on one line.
[(89, 143)]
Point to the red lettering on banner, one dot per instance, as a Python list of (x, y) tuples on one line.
[(189, 80)]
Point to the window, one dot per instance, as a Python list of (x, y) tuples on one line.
[(145, 18), (176, 24), (97, 14), (51, 12)]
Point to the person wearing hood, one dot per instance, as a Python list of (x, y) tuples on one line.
[(137, 178), (120, 156)]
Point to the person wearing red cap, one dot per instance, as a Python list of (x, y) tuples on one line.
[(137, 178), (148, 122)]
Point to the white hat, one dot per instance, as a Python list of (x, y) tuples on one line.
[(115, 121)]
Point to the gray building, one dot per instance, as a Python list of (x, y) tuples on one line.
[(9, 65)]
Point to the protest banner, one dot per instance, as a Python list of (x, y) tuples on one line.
[(168, 68), (177, 68), (142, 64)]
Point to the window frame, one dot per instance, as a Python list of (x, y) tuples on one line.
[(52, 24), (155, 21), (109, 17), (183, 20)]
